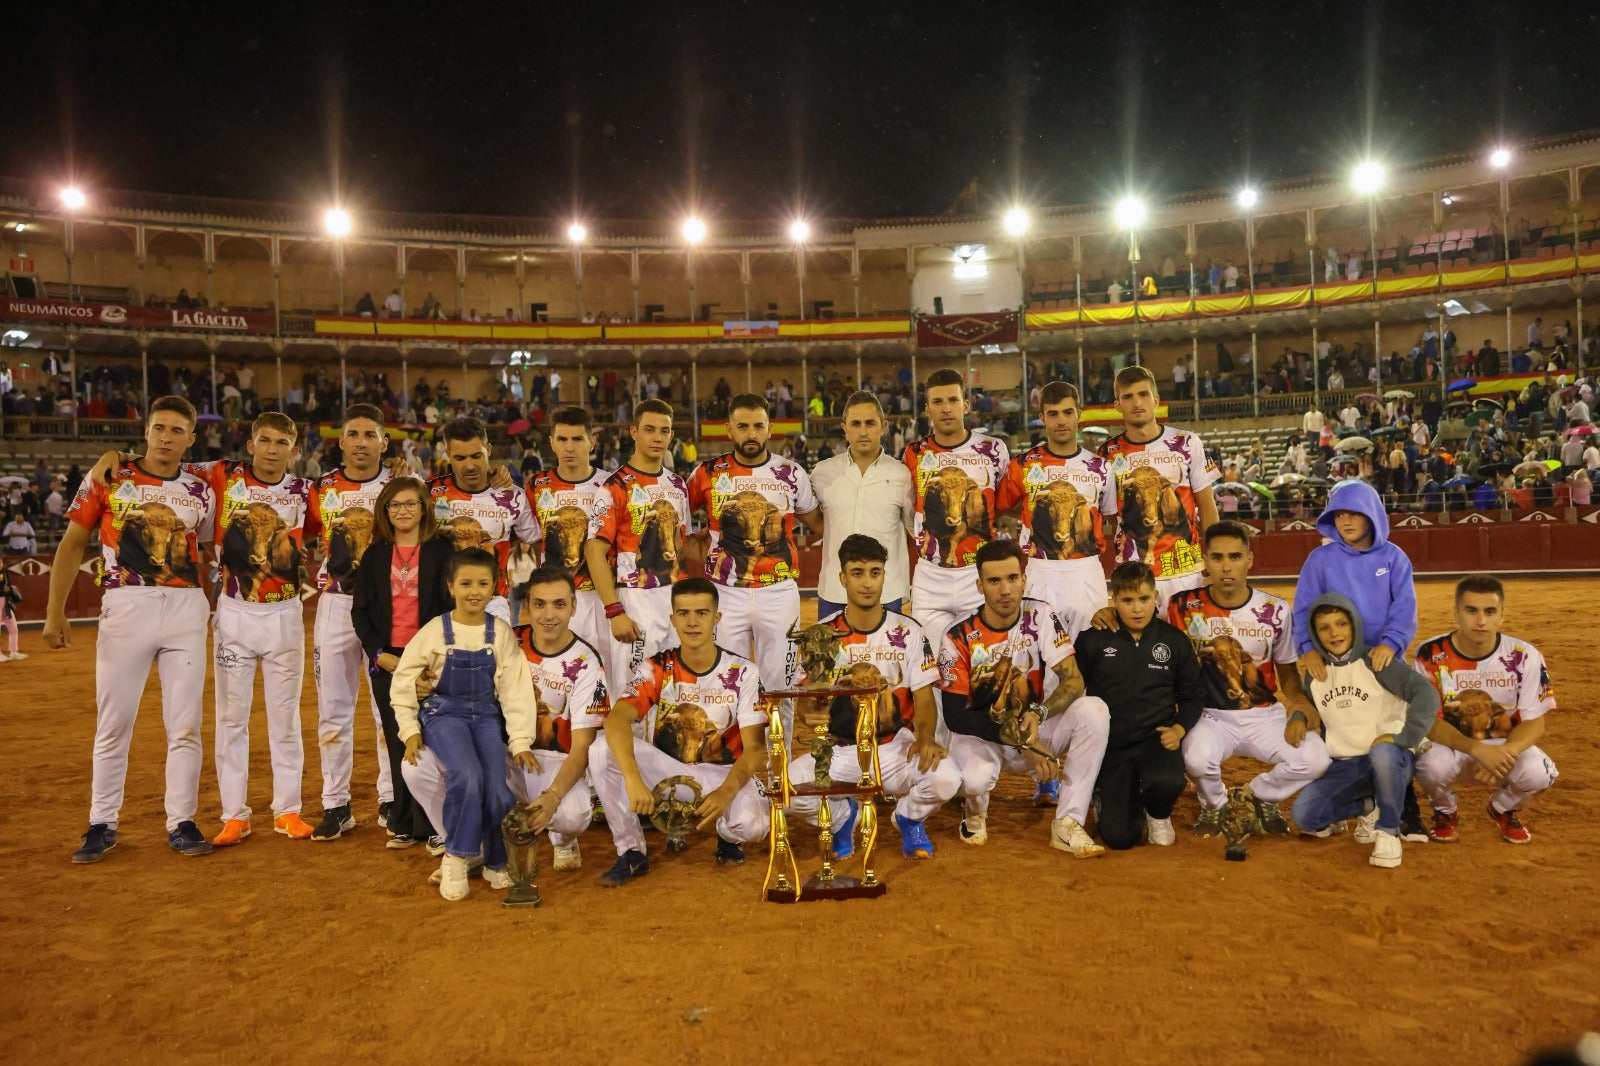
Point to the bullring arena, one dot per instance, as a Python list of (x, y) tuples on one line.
[(304, 952), (1470, 270)]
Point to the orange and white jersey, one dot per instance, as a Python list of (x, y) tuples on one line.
[(566, 510), (1156, 486), (1240, 650), (1513, 676), (260, 531), (954, 491), (487, 519), (645, 518), (896, 653), (151, 528), (342, 514), (1062, 499), (570, 687), (750, 513), (696, 717)]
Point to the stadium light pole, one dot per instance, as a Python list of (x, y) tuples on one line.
[(73, 200), (1016, 223), (1367, 179), (1500, 159), (694, 231), (336, 222), (1247, 199), (799, 233), (577, 233), (1129, 214)]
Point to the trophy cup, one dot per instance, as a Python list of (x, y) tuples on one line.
[(1238, 822), (522, 856), (673, 815)]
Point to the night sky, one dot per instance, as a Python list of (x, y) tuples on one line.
[(750, 110)]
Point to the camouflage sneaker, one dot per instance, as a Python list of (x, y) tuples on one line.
[(1269, 818), (1209, 824)]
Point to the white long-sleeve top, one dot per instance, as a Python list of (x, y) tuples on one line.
[(513, 685)]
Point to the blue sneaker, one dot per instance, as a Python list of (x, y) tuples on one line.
[(844, 832), (630, 865), (914, 840), (1047, 794), (188, 840), (100, 839), (729, 853)]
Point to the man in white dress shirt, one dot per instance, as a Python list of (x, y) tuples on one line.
[(863, 490)]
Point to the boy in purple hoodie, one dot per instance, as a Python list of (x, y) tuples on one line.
[(1359, 563)]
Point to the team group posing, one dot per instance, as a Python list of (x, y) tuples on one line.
[(1118, 705)]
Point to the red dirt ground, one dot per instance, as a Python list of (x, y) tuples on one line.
[(282, 951)]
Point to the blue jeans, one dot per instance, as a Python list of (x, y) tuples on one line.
[(827, 607), (1351, 784), (476, 795)]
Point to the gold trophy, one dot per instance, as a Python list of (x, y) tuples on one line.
[(673, 815), (522, 856)]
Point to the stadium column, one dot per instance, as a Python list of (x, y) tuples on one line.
[(522, 286), (858, 364), (744, 281), (633, 279), (637, 392), (461, 282), (800, 278), (211, 351), (1316, 371), (208, 248), (1190, 245), (1255, 374), (855, 277), (694, 290), (694, 394), (144, 375), (577, 277), (1509, 348), (805, 394), (1083, 383), (1578, 325), (465, 389), (275, 252), (405, 378), (749, 373), (139, 258), (277, 361), (344, 385), (1377, 352)]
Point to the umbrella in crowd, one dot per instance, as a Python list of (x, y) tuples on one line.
[(1580, 431), (1354, 444), (1399, 394), (1233, 486), (1460, 481), (1315, 483), (1552, 464), (1484, 401), (1343, 460), (1036, 423), (12, 479), (1286, 479), (1368, 397), (1259, 487), (1387, 431), (1346, 431), (1460, 386), (1531, 468), (1570, 393), (1494, 469), (519, 427), (209, 417), (1093, 431)]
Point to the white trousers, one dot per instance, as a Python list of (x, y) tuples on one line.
[(1077, 737), (338, 662), (573, 813), (589, 621), (651, 611), (1074, 589), (745, 820), (755, 623), (1256, 733), (140, 626), (942, 596), (1439, 767), (921, 792), (273, 635)]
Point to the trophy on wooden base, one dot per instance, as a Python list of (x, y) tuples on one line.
[(673, 814), (522, 856)]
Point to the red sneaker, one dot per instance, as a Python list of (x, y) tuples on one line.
[(1511, 828), (1443, 829)]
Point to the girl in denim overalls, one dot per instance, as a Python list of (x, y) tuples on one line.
[(482, 691)]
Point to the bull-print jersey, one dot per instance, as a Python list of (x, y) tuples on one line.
[(151, 528), (569, 687), (565, 510), (1239, 649), (260, 531), (696, 717), (645, 518), (486, 519), (1156, 486), (896, 653), (1062, 498), (953, 490), (342, 513), (989, 665), (1513, 676), (750, 512)]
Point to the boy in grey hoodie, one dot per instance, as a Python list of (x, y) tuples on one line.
[(1371, 720)]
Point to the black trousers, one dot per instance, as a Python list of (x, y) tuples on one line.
[(1145, 779), (406, 816)]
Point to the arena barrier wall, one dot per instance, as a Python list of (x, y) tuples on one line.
[(1551, 540)]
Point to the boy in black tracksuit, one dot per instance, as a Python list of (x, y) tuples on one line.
[(1147, 672)]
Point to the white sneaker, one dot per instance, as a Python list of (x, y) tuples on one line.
[(474, 869), (1067, 835), (1366, 827), (1386, 848), (453, 878), (1158, 831), (974, 829), (496, 878), (19, 655), (567, 855)]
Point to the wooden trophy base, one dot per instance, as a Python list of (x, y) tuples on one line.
[(815, 889)]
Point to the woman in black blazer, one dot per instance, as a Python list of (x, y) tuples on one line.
[(399, 587)]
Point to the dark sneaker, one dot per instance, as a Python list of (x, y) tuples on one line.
[(1269, 818), (100, 839), (729, 853), (188, 840), (383, 815), (630, 864), (435, 845), (1209, 824), (336, 822), (1411, 829), (401, 841)]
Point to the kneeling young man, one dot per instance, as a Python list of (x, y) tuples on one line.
[(1372, 719), (698, 703), (1496, 692), (1146, 672), (878, 646), (1007, 658), (1254, 705)]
